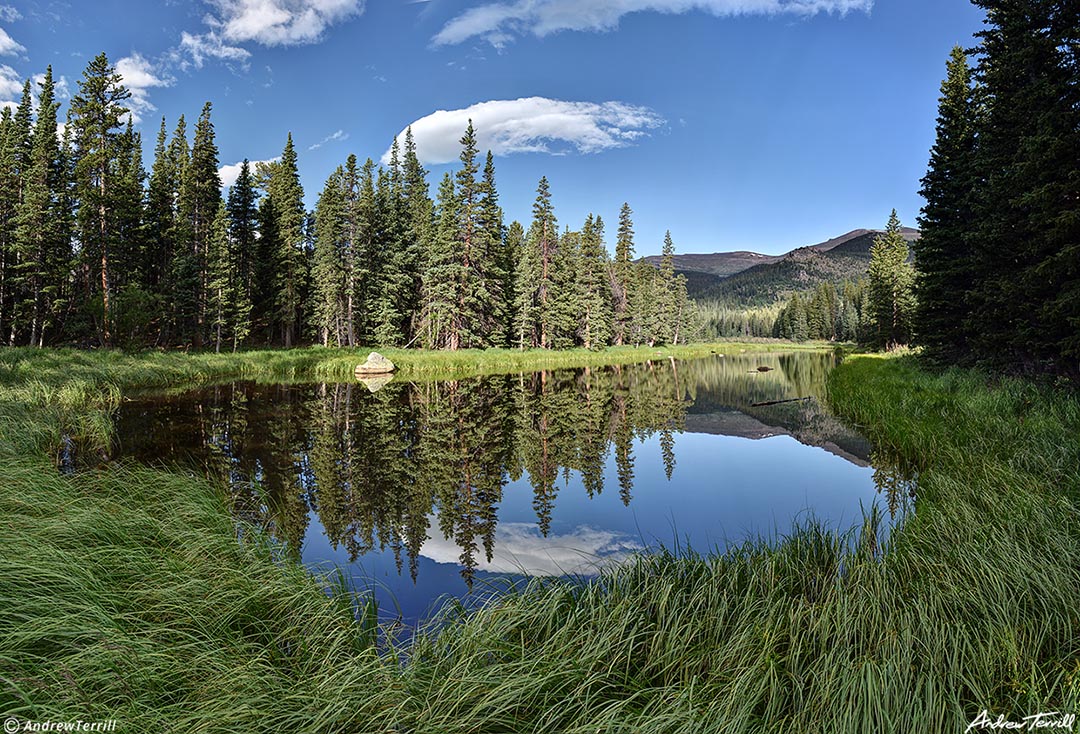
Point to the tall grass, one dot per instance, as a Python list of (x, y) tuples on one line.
[(125, 594)]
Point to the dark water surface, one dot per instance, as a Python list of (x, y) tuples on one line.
[(424, 489)]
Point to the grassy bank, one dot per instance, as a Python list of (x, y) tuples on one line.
[(124, 594)]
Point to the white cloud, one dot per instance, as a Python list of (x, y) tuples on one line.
[(520, 548), (498, 23), (531, 125), (9, 14), (208, 46), (266, 22), (140, 76), (11, 84), (279, 22), (331, 138), (9, 46), (230, 173)]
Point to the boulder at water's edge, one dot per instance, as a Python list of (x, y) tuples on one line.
[(376, 364)]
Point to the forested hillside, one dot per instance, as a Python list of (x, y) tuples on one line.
[(842, 259)]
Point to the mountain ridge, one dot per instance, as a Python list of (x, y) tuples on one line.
[(747, 278)]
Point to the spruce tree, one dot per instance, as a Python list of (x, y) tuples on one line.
[(943, 280), (40, 242), (535, 274), (623, 274), (419, 212), (287, 197), (441, 274), (243, 221), (328, 270), (9, 201), (96, 113), (594, 287), (891, 286)]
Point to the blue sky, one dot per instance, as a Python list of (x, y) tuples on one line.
[(736, 124)]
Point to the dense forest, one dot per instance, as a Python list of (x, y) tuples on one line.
[(998, 279), (96, 251)]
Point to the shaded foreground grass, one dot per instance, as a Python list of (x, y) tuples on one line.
[(124, 593)]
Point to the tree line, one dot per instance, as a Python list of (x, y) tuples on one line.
[(998, 279), (94, 250)]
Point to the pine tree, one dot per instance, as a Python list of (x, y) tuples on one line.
[(243, 221), (891, 281), (330, 306), (594, 287), (96, 113), (944, 280), (498, 262), (42, 248), (9, 201), (535, 274), (623, 274), (441, 273), (419, 213), (133, 304), (668, 304), (287, 197), (221, 281)]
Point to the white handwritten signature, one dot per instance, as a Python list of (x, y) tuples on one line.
[(1044, 720)]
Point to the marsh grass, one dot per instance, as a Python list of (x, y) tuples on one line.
[(124, 593)]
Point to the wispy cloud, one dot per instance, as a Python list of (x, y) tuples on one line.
[(331, 138), (520, 548), (195, 49), (9, 14), (265, 22), (140, 76), (279, 22), (532, 125), (230, 173), (499, 23)]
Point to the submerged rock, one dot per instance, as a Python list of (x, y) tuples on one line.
[(376, 364)]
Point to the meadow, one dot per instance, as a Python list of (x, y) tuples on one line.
[(126, 594)]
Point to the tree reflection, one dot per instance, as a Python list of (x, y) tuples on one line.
[(378, 469)]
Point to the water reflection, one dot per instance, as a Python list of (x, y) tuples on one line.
[(418, 471)]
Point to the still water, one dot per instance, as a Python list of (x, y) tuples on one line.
[(421, 490)]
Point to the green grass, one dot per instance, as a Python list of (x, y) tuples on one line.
[(125, 594)]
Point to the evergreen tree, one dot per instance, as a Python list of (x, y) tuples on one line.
[(96, 112), (596, 313), (200, 197), (441, 273), (535, 274), (243, 222), (221, 281), (287, 204), (9, 201), (419, 214), (944, 280), (42, 248), (623, 274), (330, 306), (133, 304), (498, 262), (891, 281)]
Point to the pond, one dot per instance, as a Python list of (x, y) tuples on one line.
[(418, 490)]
